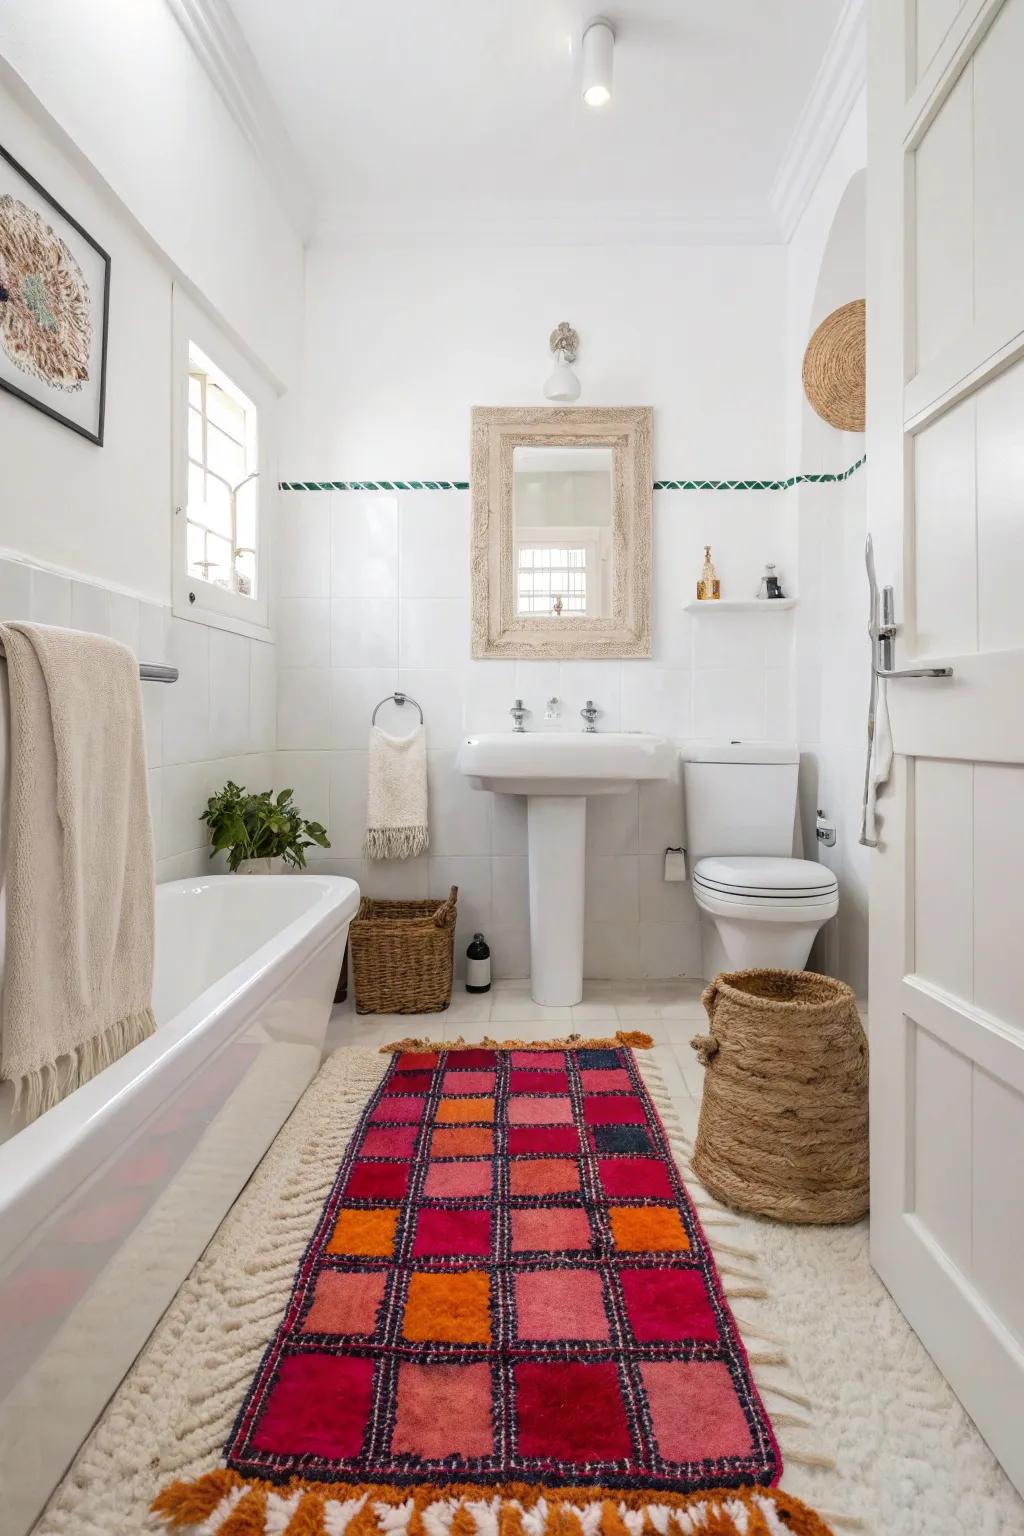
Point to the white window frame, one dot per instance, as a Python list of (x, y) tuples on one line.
[(192, 598), (596, 541)]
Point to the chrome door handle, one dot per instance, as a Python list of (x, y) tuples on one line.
[(882, 630)]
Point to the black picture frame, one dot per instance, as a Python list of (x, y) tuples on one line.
[(38, 400)]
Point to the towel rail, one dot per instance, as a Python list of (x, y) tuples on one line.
[(151, 673), (396, 698)]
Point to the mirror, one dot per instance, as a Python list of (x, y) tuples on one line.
[(561, 532)]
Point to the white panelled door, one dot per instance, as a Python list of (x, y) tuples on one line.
[(946, 509)]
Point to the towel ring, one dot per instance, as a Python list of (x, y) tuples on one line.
[(396, 698)]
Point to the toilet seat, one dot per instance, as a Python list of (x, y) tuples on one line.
[(752, 881)]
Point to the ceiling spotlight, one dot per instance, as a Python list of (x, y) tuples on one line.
[(598, 49), (563, 383)]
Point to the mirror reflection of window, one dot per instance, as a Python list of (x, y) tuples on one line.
[(562, 512)]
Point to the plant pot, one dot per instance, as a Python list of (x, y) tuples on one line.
[(262, 867)]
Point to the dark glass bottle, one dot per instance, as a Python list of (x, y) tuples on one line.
[(478, 965)]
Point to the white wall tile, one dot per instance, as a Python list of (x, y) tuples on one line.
[(304, 707), (353, 695), (666, 950), (536, 682), (302, 629), (655, 699), (364, 632), (460, 816), (262, 697), (508, 823), (155, 634), (15, 590), (399, 880), (124, 621), (661, 900), (490, 689), (440, 696), (433, 549), (473, 878), (186, 733), (601, 681), (302, 544), (661, 814), (510, 892), (612, 824), (347, 811), (308, 775), (433, 632), (183, 802), (610, 950), (229, 693), (50, 598), (364, 544), (728, 702), (510, 954), (612, 890), (90, 608)]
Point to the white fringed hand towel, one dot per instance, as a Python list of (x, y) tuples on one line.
[(78, 978), (396, 802)]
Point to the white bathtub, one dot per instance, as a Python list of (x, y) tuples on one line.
[(107, 1200)]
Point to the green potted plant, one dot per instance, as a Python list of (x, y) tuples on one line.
[(262, 834)]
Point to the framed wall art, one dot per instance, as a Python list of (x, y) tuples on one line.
[(54, 305)]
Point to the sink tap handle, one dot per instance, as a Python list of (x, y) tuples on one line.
[(589, 713), (518, 713)]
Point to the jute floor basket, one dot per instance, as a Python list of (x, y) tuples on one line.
[(783, 1126)]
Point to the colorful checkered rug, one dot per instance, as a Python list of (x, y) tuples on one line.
[(508, 1301)]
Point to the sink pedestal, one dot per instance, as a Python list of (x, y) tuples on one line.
[(557, 845)]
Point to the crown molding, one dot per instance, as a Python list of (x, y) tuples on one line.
[(366, 228), (838, 83), (220, 45)]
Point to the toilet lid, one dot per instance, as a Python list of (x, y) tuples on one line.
[(743, 875)]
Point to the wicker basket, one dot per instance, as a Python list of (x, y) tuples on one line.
[(402, 954), (783, 1125)]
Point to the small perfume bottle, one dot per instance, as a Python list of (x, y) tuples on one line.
[(770, 584), (709, 585)]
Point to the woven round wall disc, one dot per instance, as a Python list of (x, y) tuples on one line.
[(834, 368)]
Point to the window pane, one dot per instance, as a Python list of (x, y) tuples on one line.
[(224, 457), (195, 435), (218, 559), (246, 501), (245, 574), (217, 512), (225, 412), (196, 550), (196, 490)]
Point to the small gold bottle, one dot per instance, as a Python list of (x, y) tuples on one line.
[(709, 585)]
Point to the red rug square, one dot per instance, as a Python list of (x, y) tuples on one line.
[(318, 1406), (378, 1181), (613, 1110), (392, 1141), (605, 1080), (560, 1304), (695, 1411), (536, 1059), (538, 1082), (635, 1176), (542, 1138), (410, 1082), (667, 1304), (463, 1427), (467, 1082), (400, 1107), (345, 1303), (462, 1141), (544, 1176), (411, 1061), (471, 1058), (550, 1230), (450, 1232), (571, 1412), (554, 1111), (452, 1181)]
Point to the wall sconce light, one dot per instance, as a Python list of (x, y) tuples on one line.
[(563, 383), (598, 53)]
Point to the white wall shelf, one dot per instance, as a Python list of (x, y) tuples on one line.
[(740, 604)]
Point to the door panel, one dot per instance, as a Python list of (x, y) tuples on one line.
[(934, 18), (946, 491)]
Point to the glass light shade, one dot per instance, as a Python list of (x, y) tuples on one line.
[(563, 384), (598, 51)]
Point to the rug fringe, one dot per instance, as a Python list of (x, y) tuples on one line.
[(636, 1039), (231, 1505)]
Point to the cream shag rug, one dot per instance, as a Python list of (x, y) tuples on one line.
[(871, 1435)]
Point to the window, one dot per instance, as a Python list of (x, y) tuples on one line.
[(223, 479), (552, 579), (224, 411)]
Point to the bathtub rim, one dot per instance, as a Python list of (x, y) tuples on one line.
[(39, 1168)]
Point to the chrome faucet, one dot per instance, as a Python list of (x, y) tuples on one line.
[(589, 713), (519, 713)]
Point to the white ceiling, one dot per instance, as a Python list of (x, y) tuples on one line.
[(466, 114)]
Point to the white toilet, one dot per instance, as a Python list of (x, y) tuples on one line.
[(759, 906)]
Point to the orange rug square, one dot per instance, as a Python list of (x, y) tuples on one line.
[(464, 1111), (647, 1229), (448, 1308), (366, 1234)]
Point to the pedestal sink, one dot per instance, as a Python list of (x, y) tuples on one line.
[(557, 771)]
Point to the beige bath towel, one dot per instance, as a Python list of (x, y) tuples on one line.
[(78, 976), (396, 802)]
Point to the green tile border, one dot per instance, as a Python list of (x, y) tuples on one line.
[(659, 485)]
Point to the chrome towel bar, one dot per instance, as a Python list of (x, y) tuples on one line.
[(151, 673)]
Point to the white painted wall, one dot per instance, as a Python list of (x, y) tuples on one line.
[(85, 532), (373, 588), (122, 82)]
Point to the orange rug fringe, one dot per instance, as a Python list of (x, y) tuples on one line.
[(635, 1038), (258, 1510)]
